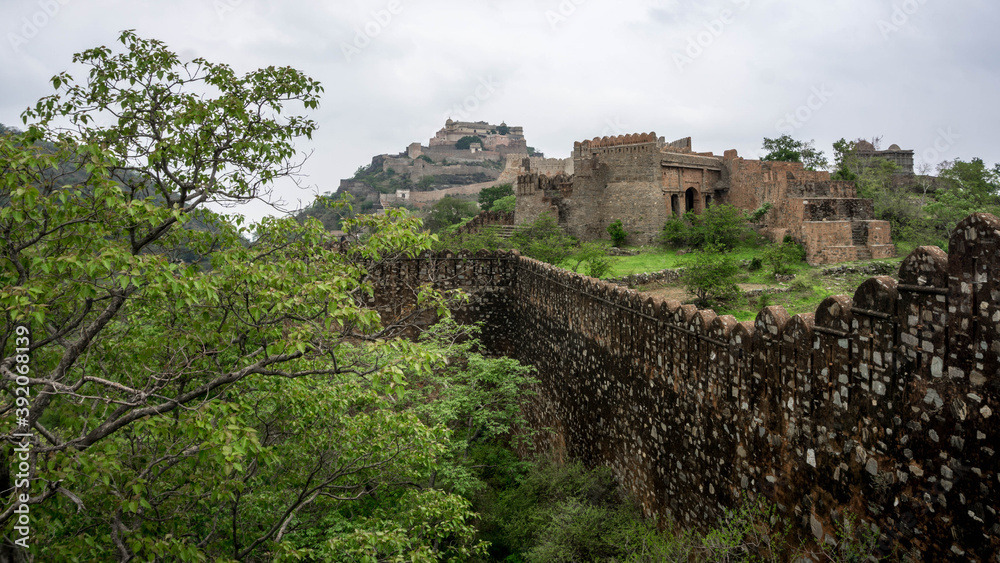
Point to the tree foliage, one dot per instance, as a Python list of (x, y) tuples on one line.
[(593, 257), (242, 406), (787, 149), (722, 225), (449, 211), (505, 204), (781, 257), (490, 195), (711, 276), (972, 187)]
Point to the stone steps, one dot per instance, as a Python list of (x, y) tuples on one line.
[(859, 233), (506, 231)]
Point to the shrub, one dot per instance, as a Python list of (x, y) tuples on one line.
[(486, 239), (720, 225), (675, 233), (711, 276), (598, 266), (618, 233), (781, 257), (593, 256), (425, 183), (562, 513)]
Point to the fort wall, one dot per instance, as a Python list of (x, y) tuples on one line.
[(881, 405)]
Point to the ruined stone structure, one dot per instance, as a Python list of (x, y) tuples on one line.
[(644, 181), (864, 150), (883, 405)]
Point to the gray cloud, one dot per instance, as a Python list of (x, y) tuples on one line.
[(567, 69)]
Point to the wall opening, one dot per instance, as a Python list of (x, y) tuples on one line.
[(691, 200), (675, 205)]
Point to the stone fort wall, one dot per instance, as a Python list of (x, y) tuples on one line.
[(881, 405)]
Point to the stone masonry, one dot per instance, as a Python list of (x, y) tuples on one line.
[(644, 181), (882, 405)]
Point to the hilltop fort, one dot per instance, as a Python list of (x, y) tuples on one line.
[(425, 173)]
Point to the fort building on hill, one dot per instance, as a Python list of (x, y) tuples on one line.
[(644, 181), (423, 174), (493, 136)]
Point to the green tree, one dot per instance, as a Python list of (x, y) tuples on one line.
[(506, 204), (563, 512), (721, 225), (489, 195), (675, 233), (781, 257), (477, 398), (188, 413), (593, 256), (464, 143), (845, 161), (449, 211), (787, 149), (711, 275), (972, 187), (617, 232), (425, 183)]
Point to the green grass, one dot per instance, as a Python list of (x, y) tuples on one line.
[(655, 259), (808, 289)]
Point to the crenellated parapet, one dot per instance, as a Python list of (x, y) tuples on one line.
[(618, 141), (882, 404)]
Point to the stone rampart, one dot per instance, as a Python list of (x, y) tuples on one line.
[(883, 405)]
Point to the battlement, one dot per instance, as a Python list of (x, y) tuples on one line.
[(618, 141)]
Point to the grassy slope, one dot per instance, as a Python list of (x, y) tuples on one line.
[(809, 288)]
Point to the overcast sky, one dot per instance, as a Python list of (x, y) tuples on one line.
[(920, 73)]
